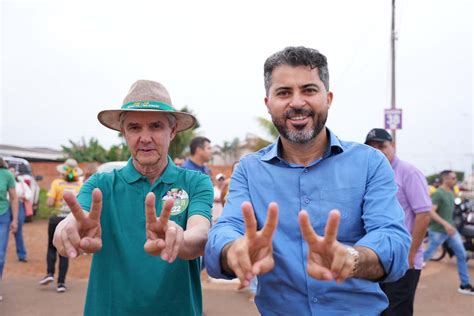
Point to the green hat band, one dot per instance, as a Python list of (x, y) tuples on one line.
[(148, 105)]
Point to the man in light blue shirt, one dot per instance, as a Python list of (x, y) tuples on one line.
[(316, 261)]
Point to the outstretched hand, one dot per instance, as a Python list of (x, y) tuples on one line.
[(82, 232), (328, 259), (252, 254), (164, 237)]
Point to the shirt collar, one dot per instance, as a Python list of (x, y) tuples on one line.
[(394, 162), (334, 147), (169, 175)]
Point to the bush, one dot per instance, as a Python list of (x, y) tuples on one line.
[(44, 212)]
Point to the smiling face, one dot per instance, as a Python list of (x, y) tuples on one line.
[(298, 103), (148, 136)]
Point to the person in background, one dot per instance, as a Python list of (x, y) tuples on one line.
[(201, 154), (220, 182), (225, 187), (442, 229), (434, 186), (68, 182), (24, 194), (413, 196), (314, 217), (179, 161), (8, 215)]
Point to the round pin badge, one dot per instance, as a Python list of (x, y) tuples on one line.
[(181, 200)]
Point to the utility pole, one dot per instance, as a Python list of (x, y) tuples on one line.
[(393, 96)]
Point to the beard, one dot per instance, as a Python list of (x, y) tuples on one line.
[(304, 134)]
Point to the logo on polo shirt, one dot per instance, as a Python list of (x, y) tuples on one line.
[(181, 200)]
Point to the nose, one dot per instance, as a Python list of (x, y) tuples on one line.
[(146, 137), (297, 100)]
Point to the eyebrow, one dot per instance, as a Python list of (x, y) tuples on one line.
[(310, 85), (137, 123)]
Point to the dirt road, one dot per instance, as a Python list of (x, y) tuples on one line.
[(436, 295)]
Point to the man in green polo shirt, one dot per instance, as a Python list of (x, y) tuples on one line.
[(145, 246), (442, 229)]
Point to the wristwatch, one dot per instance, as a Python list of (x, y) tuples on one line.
[(355, 256)]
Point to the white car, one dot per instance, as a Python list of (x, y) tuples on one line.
[(111, 166), (23, 168)]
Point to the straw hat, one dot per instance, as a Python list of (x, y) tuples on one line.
[(69, 164), (146, 96)]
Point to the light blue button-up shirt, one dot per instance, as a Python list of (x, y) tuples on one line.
[(353, 178)]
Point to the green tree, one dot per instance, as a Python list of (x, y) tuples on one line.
[(119, 152), (230, 151), (270, 129), (179, 145), (84, 151)]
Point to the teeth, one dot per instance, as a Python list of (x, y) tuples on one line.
[(296, 118)]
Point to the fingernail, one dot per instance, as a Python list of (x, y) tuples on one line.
[(72, 254), (164, 256)]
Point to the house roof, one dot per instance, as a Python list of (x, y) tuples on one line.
[(33, 153)]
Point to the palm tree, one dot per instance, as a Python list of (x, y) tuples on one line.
[(229, 151), (268, 127), (271, 131)]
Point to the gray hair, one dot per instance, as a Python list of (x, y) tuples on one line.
[(296, 56), (171, 119)]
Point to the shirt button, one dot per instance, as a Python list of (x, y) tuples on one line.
[(305, 171), (306, 201), (315, 299)]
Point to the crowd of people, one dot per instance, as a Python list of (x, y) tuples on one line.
[(326, 226)]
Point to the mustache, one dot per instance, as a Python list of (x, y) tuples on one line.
[(298, 112)]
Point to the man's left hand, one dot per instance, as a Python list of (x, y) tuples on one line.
[(13, 226), (164, 236), (328, 259)]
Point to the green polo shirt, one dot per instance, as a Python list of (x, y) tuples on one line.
[(124, 279), (445, 202), (7, 181)]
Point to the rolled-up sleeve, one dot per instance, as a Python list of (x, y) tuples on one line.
[(383, 219)]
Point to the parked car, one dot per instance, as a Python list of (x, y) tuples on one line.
[(23, 167), (111, 166)]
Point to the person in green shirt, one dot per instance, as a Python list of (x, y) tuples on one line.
[(442, 229), (8, 215), (145, 243)]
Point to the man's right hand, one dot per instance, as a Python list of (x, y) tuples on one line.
[(252, 254), (80, 232), (450, 229)]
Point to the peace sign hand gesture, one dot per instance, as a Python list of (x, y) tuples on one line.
[(328, 259), (80, 232), (252, 254), (163, 235)]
